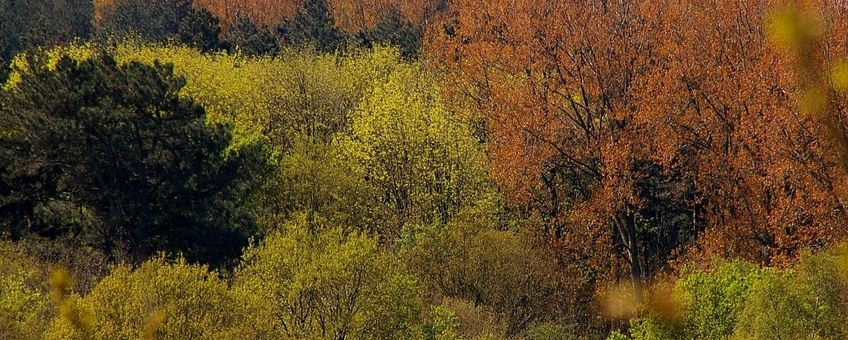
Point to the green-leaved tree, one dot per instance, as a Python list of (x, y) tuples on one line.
[(112, 155)]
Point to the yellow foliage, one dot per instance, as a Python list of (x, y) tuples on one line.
[(157, 300), (296, 93), (314, 283), (25, 308), (407, 144)]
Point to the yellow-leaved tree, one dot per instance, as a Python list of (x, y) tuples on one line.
[(160, 299), (322, 283), (422, 158)]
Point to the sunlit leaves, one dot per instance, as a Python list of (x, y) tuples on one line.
[(313, 282), (422, 157), (168, 300)]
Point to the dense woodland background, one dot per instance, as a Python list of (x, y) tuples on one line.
[(424, 169)]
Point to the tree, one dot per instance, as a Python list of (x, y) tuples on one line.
[(153, 20), (200, 29), (317, 281), (393, 29), (250, 39), (27, 24), (422, 160), (315, 180), (595, 110), (113, 154), (558, 112), (313, 25)]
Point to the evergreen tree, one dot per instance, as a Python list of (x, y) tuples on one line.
[(113, 155), (200, 29), (313, 25), (251, 39), (155, 20), (25, 24)]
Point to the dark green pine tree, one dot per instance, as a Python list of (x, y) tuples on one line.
[(200, 29), (313, 25), (112, 156), (25, 24), (153, 20), (251, 39)]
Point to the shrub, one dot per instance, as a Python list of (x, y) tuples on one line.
[(809, 301), (308, 282), (25, 308), (709, 301), (168, 300), (496, 270)]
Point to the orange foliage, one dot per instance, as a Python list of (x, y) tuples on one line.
[(100, 6), (599, 87), (355, 15)]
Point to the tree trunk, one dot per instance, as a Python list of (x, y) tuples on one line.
[(635, 261)]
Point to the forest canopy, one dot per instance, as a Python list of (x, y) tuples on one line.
[(427, 169)]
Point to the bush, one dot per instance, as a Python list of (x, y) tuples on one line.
[(709, 301), (162, 299), (811, 300), (25, 308), (741, 300), (307, 282), (496, 270), (475, 321)]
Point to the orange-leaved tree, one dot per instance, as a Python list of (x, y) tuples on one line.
[(645, 130)]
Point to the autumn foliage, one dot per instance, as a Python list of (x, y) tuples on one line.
[(588, 101), (429, 169)]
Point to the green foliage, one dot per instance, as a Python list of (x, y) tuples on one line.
[(251, 40), (313, 179), (115, 154), (444, 326), (470, 320), (302, 102), (297, 94), (809, 301), (159, 299), (710, 301), (152, 20), (551, 331), (308, 282), (314, 26), (496, 269), (394, 30), (26, 24), (713, 300), (201, 30), (740, 300)]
